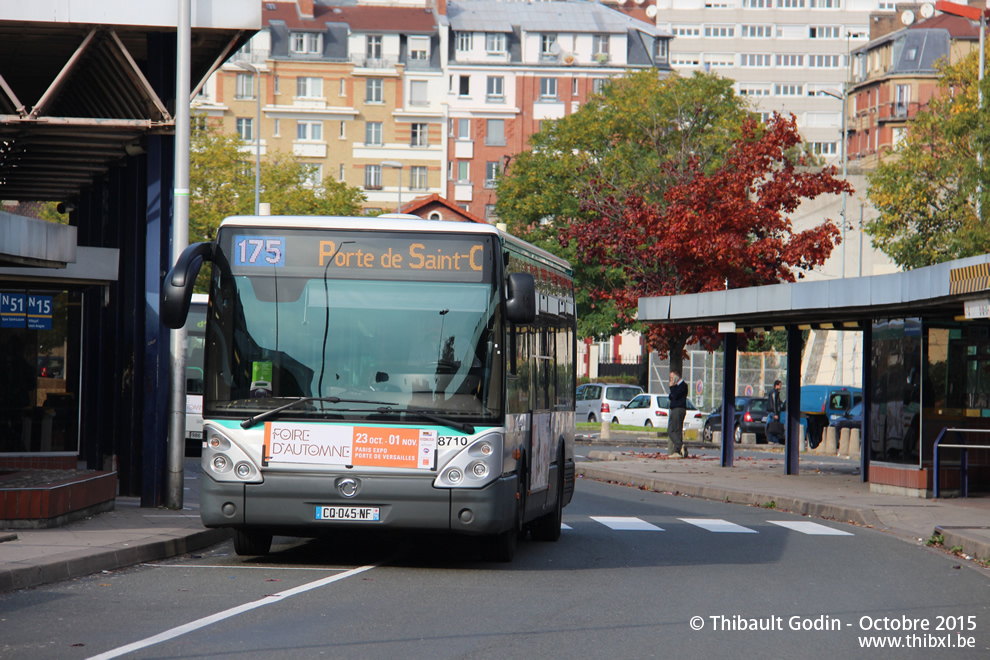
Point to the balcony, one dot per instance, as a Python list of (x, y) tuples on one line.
[(365, 62)]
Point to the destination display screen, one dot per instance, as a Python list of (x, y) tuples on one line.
[(357, 255)]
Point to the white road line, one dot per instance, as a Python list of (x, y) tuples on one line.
[(565, 526), (806, 527), (226, 614), (717, 525), (626, 524), (323, 569)]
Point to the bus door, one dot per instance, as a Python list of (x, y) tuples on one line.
[(544, 395)]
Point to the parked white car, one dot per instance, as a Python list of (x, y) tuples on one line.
[(651, 410), (596, 401)]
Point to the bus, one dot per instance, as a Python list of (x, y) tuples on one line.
[(195, 350), (388, 373)]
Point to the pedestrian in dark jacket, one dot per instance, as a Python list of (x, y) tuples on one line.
[(678, 409), (775, 407)]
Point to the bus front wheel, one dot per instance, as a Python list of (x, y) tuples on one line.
[(251, 542), (547, 526)]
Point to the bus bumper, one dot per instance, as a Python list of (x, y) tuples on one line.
[(405, 503)]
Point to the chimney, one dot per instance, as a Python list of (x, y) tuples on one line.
[(305, 8), (441, 7)]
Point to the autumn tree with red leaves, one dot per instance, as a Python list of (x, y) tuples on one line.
[(724, 229)]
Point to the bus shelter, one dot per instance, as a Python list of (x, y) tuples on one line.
[(925, 362)]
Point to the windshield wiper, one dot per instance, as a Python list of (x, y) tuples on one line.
[(463, 427), (251, 421)]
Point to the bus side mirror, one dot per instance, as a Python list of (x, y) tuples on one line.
[(520, 298), (177, 289)]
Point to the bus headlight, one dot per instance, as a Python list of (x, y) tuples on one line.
[(475, 466), (224, 460)]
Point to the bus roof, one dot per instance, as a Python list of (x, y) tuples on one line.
[(394, 222)]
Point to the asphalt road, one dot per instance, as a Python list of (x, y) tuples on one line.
[(637, 574)]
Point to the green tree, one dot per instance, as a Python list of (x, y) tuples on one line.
[(662, 187), (926, 191), (221, 184)]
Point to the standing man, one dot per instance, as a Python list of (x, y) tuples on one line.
[(678, 408), (776, 406)]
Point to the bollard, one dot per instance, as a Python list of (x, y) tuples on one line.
[(717, 438), (606, 430), (802, 443), (844, 442), (855, 446), (749, 438), (831, 442)]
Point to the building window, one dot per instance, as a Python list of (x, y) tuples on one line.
[(548, 43), (460, 128), (496, 88), (419, 49), (245, 128), (464, 86), (661, 48), (687, 30), (758, 4), (373, 134), (788, 90), (575, 89), (343, 87), (420, 135), (373, 91), (418, 92), (790, 4), (599, 44), (824, 148), (686, 59), (491, 173), (309, 130), (755, 59), (245, 86), (823, 61), (720, 31), (495, 42), (495, 132), (417, 177), (548, 89), (373, 47), (464, 41), (278, 128), (341, 172), (790, 61), (720, 59), (309, 87), (597, 85), (463, 171), (343, 130), (757, 31), (823, 31), (276, 85), (306, 43), (373, 177), (754, 90)]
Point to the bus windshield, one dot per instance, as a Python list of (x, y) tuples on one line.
[(316, 325)]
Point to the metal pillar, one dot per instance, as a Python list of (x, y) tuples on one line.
[(864, 458), (792, 433), (728, 399)]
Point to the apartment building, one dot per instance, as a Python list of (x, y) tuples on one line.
[(512, 65), (895, 76), (355, 90), (788, 56), (412, 98)]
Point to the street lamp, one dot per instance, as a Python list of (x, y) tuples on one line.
[(973, 14), (257, 134), (396, 165)]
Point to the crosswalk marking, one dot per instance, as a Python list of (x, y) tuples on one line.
[(717, 525), (625, 524), (806, 527)]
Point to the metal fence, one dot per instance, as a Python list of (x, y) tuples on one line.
[(755, 374)]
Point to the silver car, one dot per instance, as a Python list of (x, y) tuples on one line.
[(597, 401)]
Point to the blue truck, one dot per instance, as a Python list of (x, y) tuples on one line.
[(822, 405)]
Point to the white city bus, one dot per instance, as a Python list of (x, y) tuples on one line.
[(382, 373)]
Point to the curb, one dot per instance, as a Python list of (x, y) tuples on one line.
[(975, 548), (86, 563)]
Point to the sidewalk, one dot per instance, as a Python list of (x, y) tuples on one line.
[(823, 488), (126, 536)]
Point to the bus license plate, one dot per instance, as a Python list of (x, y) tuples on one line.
[(348, 513)]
